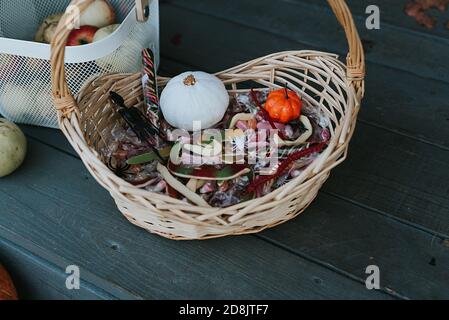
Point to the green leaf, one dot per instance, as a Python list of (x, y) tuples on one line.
[(149, 157), (143, 158)]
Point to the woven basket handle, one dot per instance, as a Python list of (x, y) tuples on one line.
[(65, 102), (355, 61)]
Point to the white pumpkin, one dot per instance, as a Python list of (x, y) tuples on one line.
[(194, 96)]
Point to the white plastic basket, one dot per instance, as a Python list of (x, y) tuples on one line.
[(25, 81)]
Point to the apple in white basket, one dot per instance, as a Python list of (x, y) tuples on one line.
[(47, 29), (99, 14), (82, 36), (105, 32)]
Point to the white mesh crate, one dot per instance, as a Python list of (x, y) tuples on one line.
[(25, 84)]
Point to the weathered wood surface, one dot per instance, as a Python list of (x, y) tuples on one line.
[(61, 221), (411, 104), (392, 13), (386, 145), (313, 24), (36, 278), (387, 205)]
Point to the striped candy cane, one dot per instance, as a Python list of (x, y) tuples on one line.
[(150, 87)]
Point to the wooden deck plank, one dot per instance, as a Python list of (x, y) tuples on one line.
[(412, 263), (396, 175), (53, 214), (321, 239), (36, 279), (396, 100), (346, 228), (393, 13), (373, 188), (396, 191), (426, 197), (312, 23)]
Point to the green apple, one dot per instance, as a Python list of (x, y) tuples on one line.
[(47, 29), (105, 32), (13, 146)]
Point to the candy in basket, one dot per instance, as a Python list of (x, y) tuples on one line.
[(213, 157)]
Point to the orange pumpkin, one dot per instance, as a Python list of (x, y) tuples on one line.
[(284, 105), (7, 290)]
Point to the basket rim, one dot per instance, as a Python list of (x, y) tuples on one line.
[(156, 212), (335, 144)]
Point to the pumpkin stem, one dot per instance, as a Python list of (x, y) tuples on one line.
[(286, 91), (190, 80)]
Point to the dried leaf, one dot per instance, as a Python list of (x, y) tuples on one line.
[(419, 10)]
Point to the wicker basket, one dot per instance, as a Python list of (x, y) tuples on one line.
[(320, 77)]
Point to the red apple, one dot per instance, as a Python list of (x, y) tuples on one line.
[(81, 36)]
